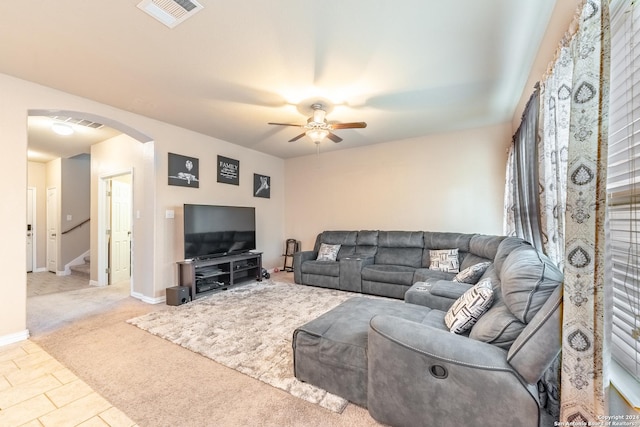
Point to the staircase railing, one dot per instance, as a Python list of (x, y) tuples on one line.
[(77, 226)]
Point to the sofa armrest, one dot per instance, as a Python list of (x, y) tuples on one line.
[(298, 259), (423, 376), (351, 272), (440, 343)]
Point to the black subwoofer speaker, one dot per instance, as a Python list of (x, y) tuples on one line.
[(177, 295)]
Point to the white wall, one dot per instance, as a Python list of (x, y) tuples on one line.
[(269, 212), (123, 154), (444, 182), (19, 96)]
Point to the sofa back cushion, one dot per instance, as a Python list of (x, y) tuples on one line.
[(482, 248), (439, 241), (367, 242), (527, 279), (346, 240), (400, 248), (505, 248), (498, 326)]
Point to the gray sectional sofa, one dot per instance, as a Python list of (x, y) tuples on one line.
[(399, 358), (387, 263)]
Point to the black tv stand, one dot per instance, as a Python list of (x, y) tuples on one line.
[(206, 276)]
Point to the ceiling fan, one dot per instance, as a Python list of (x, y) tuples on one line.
[(317, 127)]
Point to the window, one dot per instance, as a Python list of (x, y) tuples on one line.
[(623, 184)]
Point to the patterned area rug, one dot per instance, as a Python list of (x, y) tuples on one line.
[(250, 329)]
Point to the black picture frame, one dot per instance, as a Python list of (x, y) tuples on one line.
[(228, 170), (183, 171), (261, 186)]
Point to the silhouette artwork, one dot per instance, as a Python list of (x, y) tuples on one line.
[(183, 171), (261, 186)]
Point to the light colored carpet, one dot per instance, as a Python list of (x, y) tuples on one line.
[(45, 282), (61, 300), (250, 329)]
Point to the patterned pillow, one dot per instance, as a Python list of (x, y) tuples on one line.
[(472, 274), (444, 260), (467, 309), (328, 252)]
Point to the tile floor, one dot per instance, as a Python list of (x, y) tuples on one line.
[(36, 390)]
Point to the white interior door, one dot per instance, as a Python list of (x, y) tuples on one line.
[(52, 229), (120, 231), (31, 192)]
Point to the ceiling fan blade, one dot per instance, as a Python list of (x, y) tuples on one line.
[(298, 137), (349, 125), (286, 124), (334, 137)]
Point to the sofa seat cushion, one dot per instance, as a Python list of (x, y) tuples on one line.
[(435, 294), (324, 268), (330, 351), (343, 330), (396, 274), (426, 275)]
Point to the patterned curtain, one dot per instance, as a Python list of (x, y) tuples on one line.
[(584, 341), (572, 162), (555, 113)]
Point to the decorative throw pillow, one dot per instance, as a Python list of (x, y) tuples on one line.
[(467, 309), (328, 252), (444, 260), (472, 274)]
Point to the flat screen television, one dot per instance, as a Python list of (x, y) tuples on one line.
[(213, 231)]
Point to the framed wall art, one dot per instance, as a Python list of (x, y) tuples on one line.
[(261, 186), (228, 170), (183, 171)]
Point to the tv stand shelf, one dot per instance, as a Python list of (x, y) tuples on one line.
[(204, 277)]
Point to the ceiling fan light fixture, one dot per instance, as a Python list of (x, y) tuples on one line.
[(62, 129), (317, 135), (318, 115)]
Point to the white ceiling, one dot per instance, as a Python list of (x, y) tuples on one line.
[(407, 68)]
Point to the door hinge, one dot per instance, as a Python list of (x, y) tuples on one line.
[(107, 270), (108, 232)]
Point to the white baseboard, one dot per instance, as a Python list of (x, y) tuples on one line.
[(149, 300), (63, 273), (13, 338), (40, 270), (96, 284)]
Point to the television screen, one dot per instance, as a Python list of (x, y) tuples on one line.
[(211, 231)]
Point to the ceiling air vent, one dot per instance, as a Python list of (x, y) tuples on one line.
[(81, 122), (170, 12)]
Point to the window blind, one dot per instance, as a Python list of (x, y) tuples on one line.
[(623, 184)]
